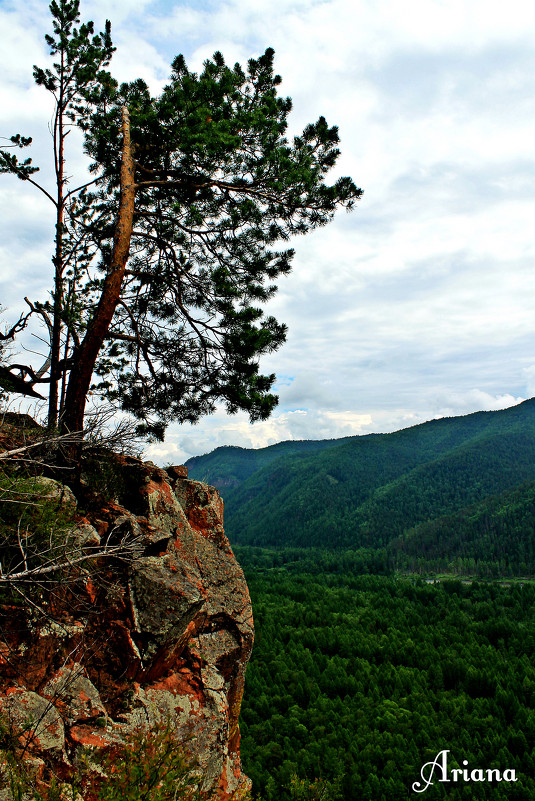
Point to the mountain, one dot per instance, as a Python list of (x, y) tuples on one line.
[(228, 466), (372, 491)]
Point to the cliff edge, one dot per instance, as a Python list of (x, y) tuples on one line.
[(161, 637)]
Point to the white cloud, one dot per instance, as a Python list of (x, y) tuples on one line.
[(529, 373), (418, 304), (290, 425), (455, 403), (121, 12)]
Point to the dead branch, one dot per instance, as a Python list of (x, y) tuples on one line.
[(123, 549), (64, 439)]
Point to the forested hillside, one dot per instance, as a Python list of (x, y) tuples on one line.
[(493, 538), (396, 491), (230, 465)]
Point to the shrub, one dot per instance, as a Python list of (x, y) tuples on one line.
[(151, 766)]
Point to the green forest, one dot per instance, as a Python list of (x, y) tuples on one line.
[(356, 681)]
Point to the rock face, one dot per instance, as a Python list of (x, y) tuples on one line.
[(162, 636)]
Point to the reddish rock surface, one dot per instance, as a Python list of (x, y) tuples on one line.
[(163, 636)]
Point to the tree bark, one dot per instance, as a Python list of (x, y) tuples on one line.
[(55, 344), (86, 355)]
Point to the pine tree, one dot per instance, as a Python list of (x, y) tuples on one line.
[(192, 192), (209, 185)]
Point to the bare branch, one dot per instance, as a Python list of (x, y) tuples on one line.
[(19, 326), (122, 549), (44, 367), (79, 188), (41, 312), (20, 174), (69, 438), (16, 383), (22, 551)]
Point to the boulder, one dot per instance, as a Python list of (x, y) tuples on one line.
[(159, 636)]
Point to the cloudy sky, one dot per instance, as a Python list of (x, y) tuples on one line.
[(421, 303)]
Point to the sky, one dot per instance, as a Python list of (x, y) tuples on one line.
[(418, 304)]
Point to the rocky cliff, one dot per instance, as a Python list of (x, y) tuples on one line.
[(160, 635)]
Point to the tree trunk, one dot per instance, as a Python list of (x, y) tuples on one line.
[(59, 160), (55, 344), (86, 356)]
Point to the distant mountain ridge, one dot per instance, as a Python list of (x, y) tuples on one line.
[(377, 490), (230, 465)]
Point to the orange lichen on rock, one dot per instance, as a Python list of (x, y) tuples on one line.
[(163, 636)]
